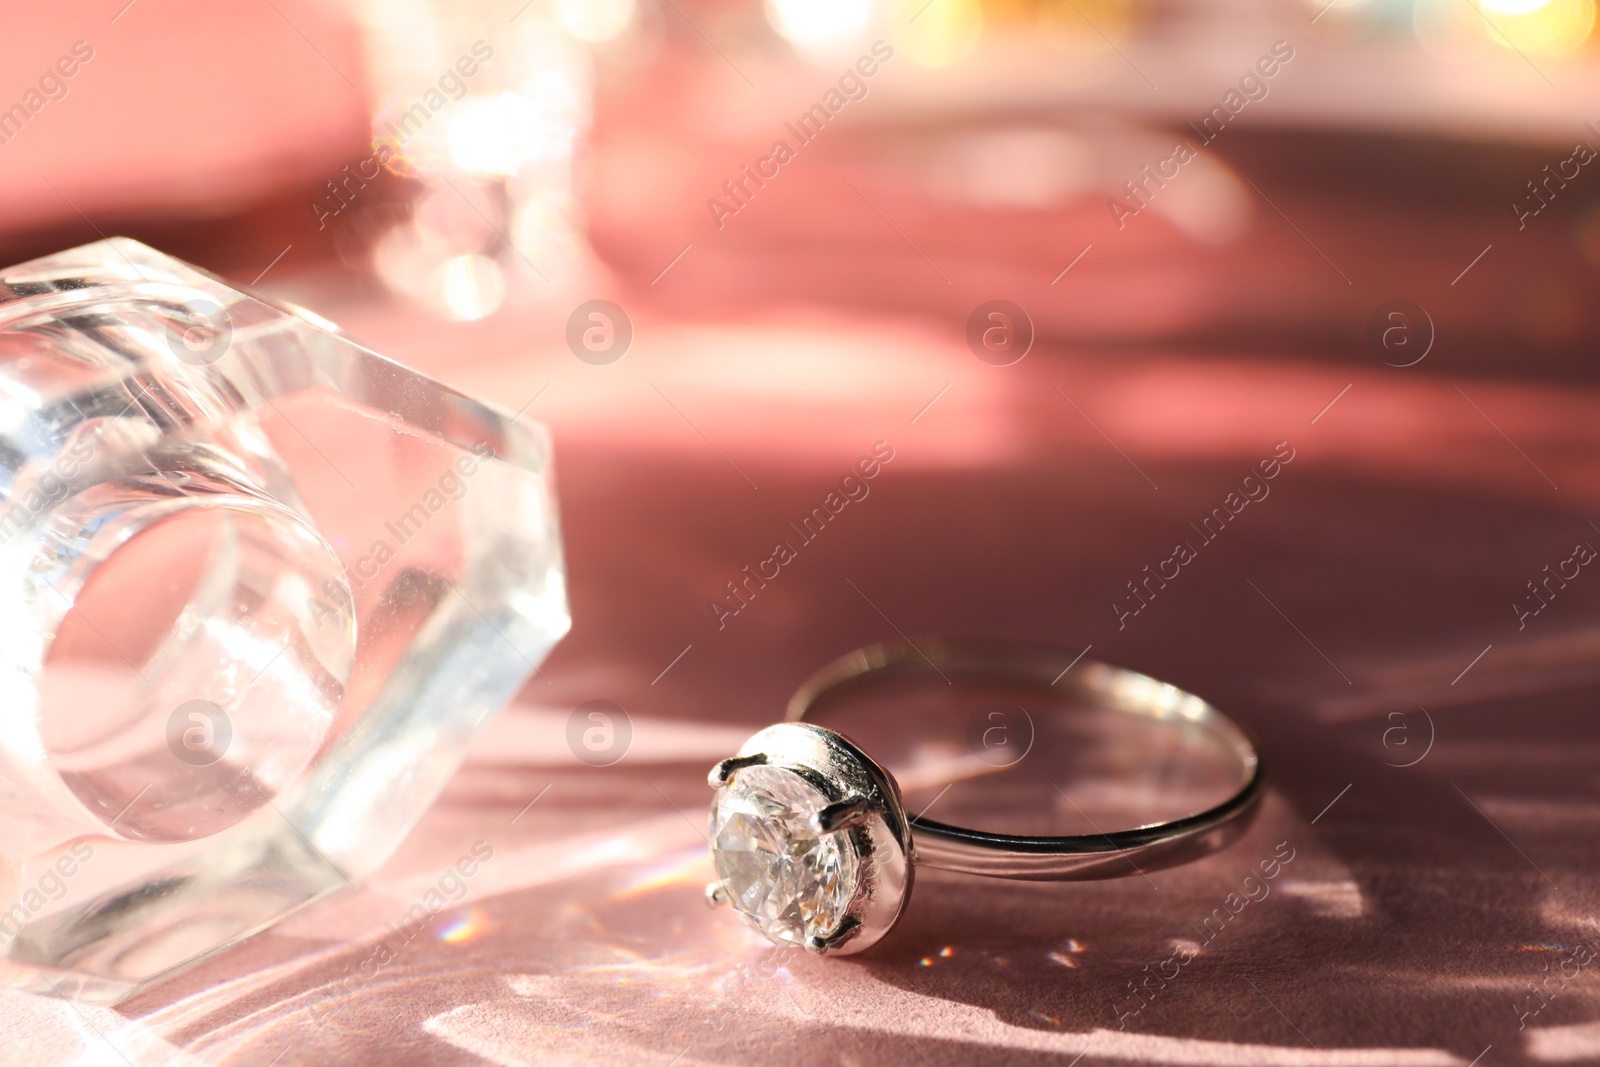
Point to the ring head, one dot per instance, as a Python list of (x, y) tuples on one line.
[(810, 840)]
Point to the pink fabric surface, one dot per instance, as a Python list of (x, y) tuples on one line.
[(1420, 901)]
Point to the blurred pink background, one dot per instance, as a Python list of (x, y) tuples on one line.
[(1407, 150)]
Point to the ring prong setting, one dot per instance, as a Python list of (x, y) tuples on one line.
[(821, 946), (723, 771), (715, 894), (842, 816)]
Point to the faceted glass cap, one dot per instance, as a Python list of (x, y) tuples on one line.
[(261, 588)]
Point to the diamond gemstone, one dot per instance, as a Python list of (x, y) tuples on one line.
[(785, 879)]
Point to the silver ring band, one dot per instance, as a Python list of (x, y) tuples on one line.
[(1080, 857)]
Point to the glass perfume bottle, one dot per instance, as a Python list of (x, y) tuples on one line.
[(261, 588)]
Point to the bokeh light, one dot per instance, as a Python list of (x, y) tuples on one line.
[(1459, 30), (596, 21), (821, 26), (505, 133), (470, 287), (937, 33), (1515, 7), (1546, 27)]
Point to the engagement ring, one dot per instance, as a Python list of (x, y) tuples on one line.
[(811, 841)]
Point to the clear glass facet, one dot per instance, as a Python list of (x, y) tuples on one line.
[(263, 587)]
